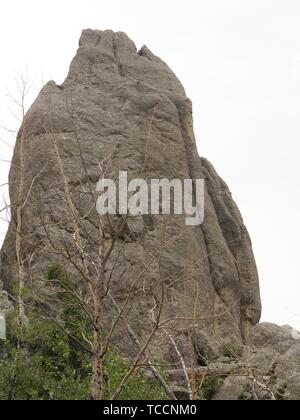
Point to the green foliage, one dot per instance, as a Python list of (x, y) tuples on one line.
[(210, 388), (42, 362), (139, 386), (54, 272), (232, 350), (281, 390)]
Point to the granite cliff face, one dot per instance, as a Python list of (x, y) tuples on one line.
[(128, 107)]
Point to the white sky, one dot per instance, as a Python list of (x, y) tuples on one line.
[(240, 64)]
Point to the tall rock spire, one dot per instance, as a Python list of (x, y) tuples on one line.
[(128, 107)]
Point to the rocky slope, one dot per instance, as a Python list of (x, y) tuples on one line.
[(267, 368), (127, 107)]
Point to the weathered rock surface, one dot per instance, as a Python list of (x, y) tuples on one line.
[(128, 106), (281, 345), (266, 335), (5, 304), (268, 368)]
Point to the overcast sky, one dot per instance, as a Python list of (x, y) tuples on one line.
[(240, 64)]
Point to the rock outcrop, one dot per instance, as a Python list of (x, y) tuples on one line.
[(128, 107), (267, 368)]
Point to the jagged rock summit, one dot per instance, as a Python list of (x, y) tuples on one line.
[(128, 106)]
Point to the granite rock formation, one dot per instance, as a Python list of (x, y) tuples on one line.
[(127, 106)]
